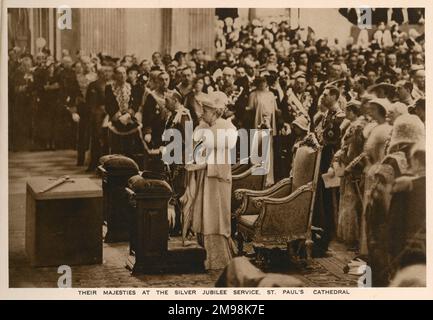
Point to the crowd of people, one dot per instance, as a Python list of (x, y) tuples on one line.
[(363, 103)]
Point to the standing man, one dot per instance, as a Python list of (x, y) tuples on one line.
[(200, 62), (154, 111), (330, 141), (22, 118), (137, 88), (69, 91), (177, 119), (95, 99), (185, 86), (47, 86), (85, 76), (298, 100), (157, 61)]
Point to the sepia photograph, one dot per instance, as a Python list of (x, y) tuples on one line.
[(214, 147)]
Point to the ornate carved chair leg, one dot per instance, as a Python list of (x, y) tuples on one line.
[(240, 240), (309, 249), (291, 253), (259, 257)]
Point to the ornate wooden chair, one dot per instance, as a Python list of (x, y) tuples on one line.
[(282, 213), (238, 168), (247, 175), (244, 177)]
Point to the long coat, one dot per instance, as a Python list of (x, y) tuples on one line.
[(212, 214)]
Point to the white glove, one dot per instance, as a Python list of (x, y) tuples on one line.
[(76, 117), (171, 215), (125, 118), (148, 137), (286, 130)]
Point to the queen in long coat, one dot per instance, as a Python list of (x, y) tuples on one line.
[(207, 200), (350, 205)]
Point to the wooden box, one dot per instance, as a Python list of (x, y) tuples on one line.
[(64, 224)]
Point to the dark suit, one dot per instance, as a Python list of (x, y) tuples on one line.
[(96, 101)]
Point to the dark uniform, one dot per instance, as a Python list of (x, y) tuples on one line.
[(124, 139), (95, 99), (66, 129), (154, 118), (23, 110), (201, 67), (324, 210), (177, 171), (13, 66), (137, 91), (48, 94)]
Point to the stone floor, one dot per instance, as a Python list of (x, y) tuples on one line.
[(323, 272)]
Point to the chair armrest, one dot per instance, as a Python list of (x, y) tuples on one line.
[(244, 174), (246, 207), (246, 196), (240, 193), (259, 202), (243, 181), (237, 166)]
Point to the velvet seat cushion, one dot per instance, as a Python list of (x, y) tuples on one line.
[(118, 163), (248, 220), (141, 185)]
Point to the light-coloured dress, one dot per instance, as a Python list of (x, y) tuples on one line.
[(265, 105), (350, 206), (207, 203), (375, 150)]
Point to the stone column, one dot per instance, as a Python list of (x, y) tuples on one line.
[(202, 29), (179, 30), (103, 30), (192, 28)]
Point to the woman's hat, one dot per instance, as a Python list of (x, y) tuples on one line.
[(354, 103), (302, 123), (205, 100), (381, 102), (407, 128), (219, 99)]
